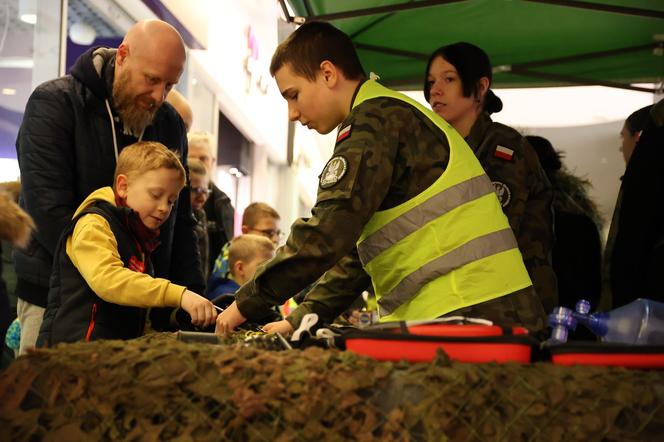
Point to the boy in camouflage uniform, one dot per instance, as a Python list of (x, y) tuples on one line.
[(386, 153)]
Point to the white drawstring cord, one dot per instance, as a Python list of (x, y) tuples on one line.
[(115, 140)]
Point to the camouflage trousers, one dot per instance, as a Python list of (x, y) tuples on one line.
[(521, 308)]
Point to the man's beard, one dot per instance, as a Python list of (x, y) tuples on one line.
[(134, 119)]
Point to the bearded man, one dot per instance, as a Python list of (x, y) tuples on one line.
[(72, 132)]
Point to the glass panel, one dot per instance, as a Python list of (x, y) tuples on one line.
[(29, 55), (16, 63)]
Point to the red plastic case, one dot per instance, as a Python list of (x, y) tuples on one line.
[(465, 343), (607, 355)]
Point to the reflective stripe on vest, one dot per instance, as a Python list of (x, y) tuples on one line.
[(478, 248), (422, 214), (446, 248)]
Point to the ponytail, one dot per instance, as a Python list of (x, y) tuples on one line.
[(492, 104)]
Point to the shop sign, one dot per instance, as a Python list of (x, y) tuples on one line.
[(256, 74)]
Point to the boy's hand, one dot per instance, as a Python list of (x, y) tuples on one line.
[(201, 310), (284, 327), (229, 319)]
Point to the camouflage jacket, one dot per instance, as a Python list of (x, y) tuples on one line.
[(526, 195), (390, 153)]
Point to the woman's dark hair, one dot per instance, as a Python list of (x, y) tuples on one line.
[(472, 63), (550, 158), (565, 182), (637, 121)]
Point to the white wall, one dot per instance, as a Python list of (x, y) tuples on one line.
[(591, 152), (585, 123), (261, 117), (258, 112)]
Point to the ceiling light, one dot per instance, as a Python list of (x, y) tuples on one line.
[(27, 11), (8, 91), (82, 33)]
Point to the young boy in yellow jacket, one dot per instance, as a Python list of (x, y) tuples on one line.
[(102, 283)]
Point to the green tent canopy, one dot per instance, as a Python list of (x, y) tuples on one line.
[(531, 43)]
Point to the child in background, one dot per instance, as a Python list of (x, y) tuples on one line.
[(257, 218), (102, 283), (199, 181), (245, 254)]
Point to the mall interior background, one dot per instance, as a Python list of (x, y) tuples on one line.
[(261, 156)]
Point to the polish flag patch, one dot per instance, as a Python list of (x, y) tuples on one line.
[(344, 133), (504, 153)]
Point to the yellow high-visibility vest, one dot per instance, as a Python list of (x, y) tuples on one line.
[(447, 248)]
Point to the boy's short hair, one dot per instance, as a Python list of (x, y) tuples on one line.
[(256, 211), (310, 45), (247, 247), (196, 167), (201, 137), (144, 156)]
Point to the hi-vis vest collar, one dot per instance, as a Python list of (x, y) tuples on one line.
[(448, 247)]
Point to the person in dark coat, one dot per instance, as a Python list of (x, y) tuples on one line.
[(73, 130), (634, 256), (219, 211), (577, 250)]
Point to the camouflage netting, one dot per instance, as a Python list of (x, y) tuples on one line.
[(163, 389)]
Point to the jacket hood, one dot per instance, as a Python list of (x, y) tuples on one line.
[(103, 194), (88, 69)]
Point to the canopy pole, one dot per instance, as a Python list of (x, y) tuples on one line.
[(587, 55), (381, 9), (579, 80), (289, 18), (392, 51), (602, 7)]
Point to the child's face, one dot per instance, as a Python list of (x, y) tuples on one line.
[(199, 191), (312, 103), (151, 194), (249, 268), (267, 227)]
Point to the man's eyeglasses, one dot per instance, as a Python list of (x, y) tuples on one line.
[(200, 190), (269, 232)]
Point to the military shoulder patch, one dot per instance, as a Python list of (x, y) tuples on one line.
[(334, 171), (503, 192), (344, 133), (504, 152)]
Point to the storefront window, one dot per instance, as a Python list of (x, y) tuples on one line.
[(30, 46)]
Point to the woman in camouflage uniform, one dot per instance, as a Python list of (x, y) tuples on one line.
[(457, 86)]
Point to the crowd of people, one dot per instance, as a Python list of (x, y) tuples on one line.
[(435, 210)]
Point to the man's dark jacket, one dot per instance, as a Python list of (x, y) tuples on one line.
[(635, 248), (219, 212), (65, 151)]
